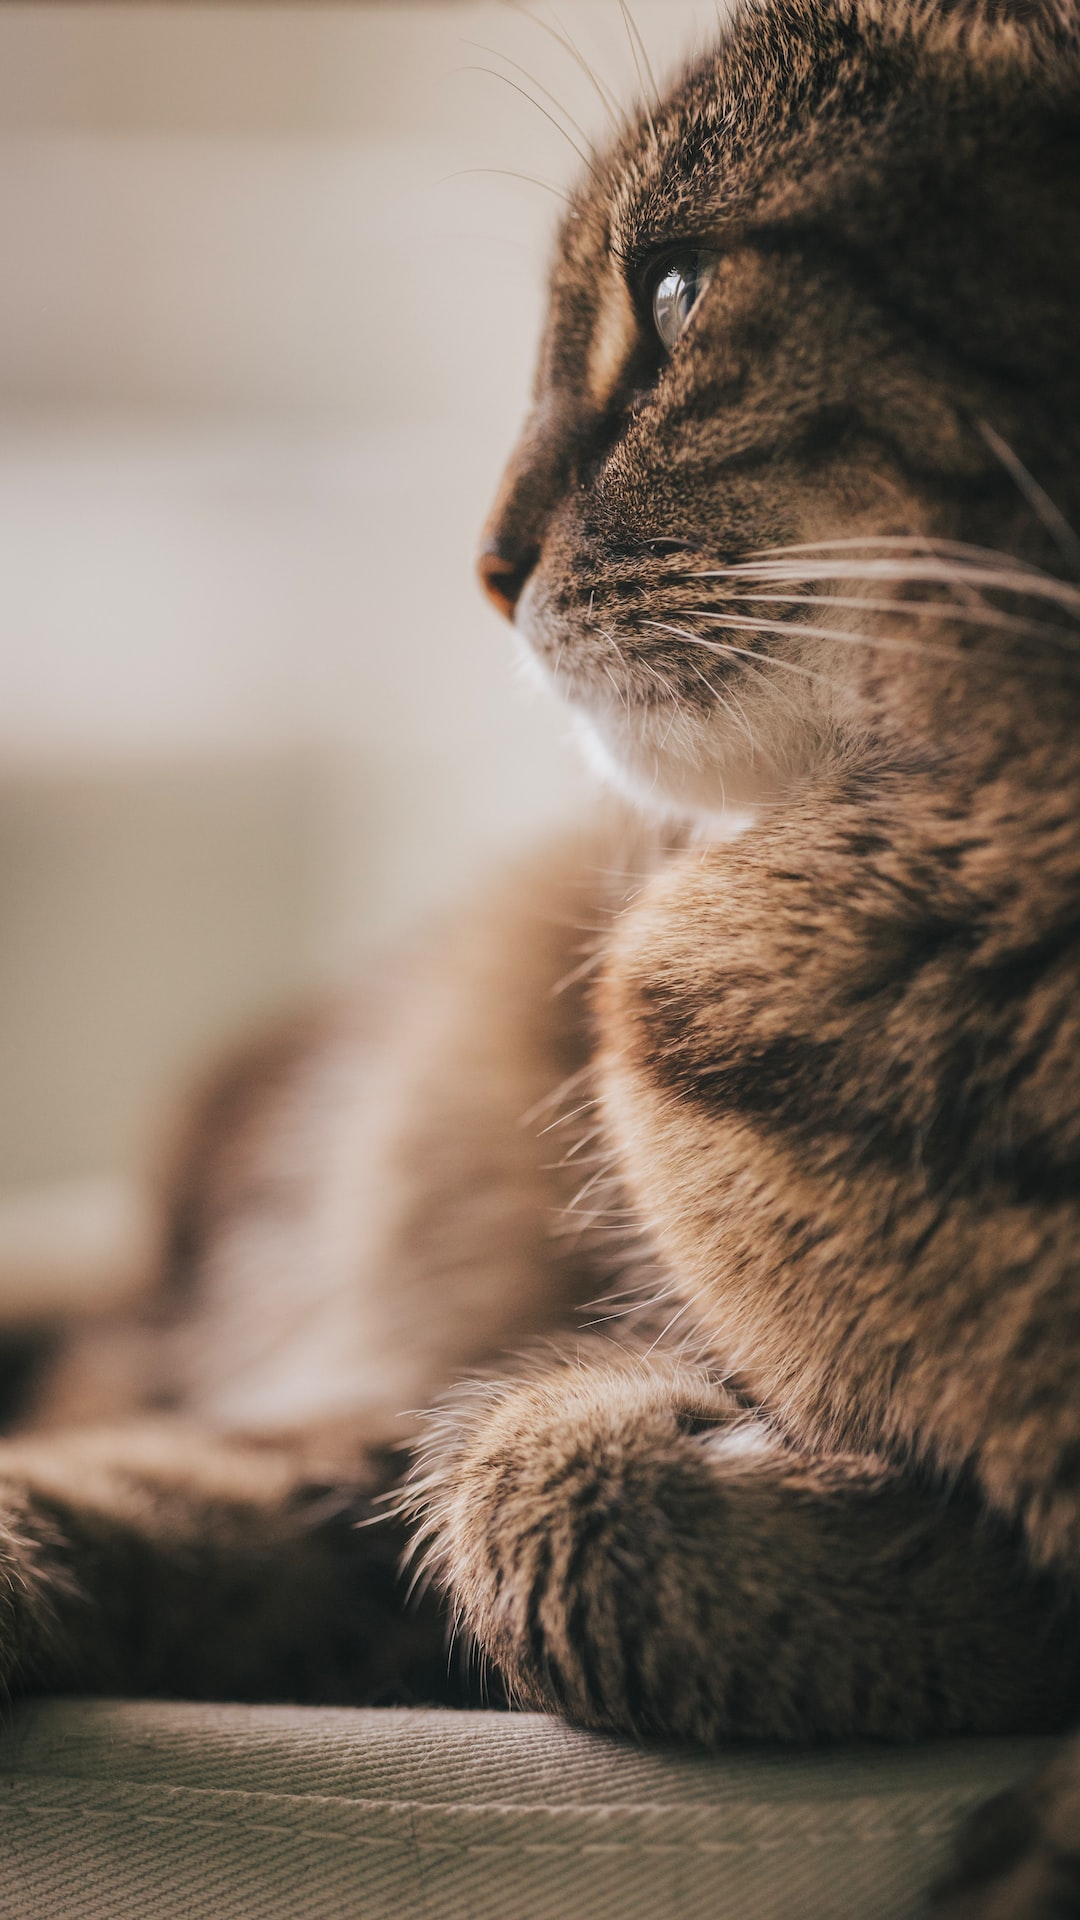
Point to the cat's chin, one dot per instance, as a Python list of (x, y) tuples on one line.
[(719, 802), (672, 762)]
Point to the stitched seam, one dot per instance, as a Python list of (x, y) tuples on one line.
[(410, 1844), (847, 1832), (838, 1813)]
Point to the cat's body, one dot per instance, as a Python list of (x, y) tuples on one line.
[(813, 324)]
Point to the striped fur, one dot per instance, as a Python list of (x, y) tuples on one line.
[(809, 1090)]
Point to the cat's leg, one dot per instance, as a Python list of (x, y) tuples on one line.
[(161, 1559), (632, 1548)]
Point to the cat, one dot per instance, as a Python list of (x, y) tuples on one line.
[(786, 529)]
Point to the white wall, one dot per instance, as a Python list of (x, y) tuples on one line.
[(265, 337)]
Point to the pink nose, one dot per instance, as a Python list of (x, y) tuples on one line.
[(503, 577)]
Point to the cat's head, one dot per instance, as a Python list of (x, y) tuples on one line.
[(826, 291)]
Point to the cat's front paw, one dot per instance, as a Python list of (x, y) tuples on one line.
[(1018, 1857), (568, 1518)]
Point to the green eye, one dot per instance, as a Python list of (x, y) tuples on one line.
[(678, 291)]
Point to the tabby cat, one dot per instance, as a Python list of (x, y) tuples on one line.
[(789, 528)]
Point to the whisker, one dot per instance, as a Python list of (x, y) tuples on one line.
[(509, 173), (607, 99), (809, 630), (739, 718), (578, 973), (650, 76), (605, 633), (564, 1119), (755, 661), (664, 1331), (585, 1141), (724, 647), (979, 615), (622, 692), (633, 1293), (636, 57), (555, 1097), (479, 47), (1018, 579), (909, 542), (493, 74), (661, 679), (603, 90), (883, 643), (1037, 497), (584, 1191), (1023, 582)]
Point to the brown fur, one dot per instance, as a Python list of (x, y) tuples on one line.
[(838, 1061), (825, 1097), (361, 1211)]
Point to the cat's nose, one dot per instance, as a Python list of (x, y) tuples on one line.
[(503, 573)]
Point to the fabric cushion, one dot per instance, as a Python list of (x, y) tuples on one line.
[(126, 1810)]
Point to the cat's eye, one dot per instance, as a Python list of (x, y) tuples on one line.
[(678, 291)]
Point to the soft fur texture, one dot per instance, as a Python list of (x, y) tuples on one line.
[(813, 1091)]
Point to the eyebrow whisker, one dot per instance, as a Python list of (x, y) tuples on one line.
[(562, 39), (587, 159), (511, 173), (650, 76), (479, 47), (632, 39)]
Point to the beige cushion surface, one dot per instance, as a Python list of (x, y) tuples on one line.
[(122, 1810)]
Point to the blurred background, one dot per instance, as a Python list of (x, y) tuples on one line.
[(273, 279)]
